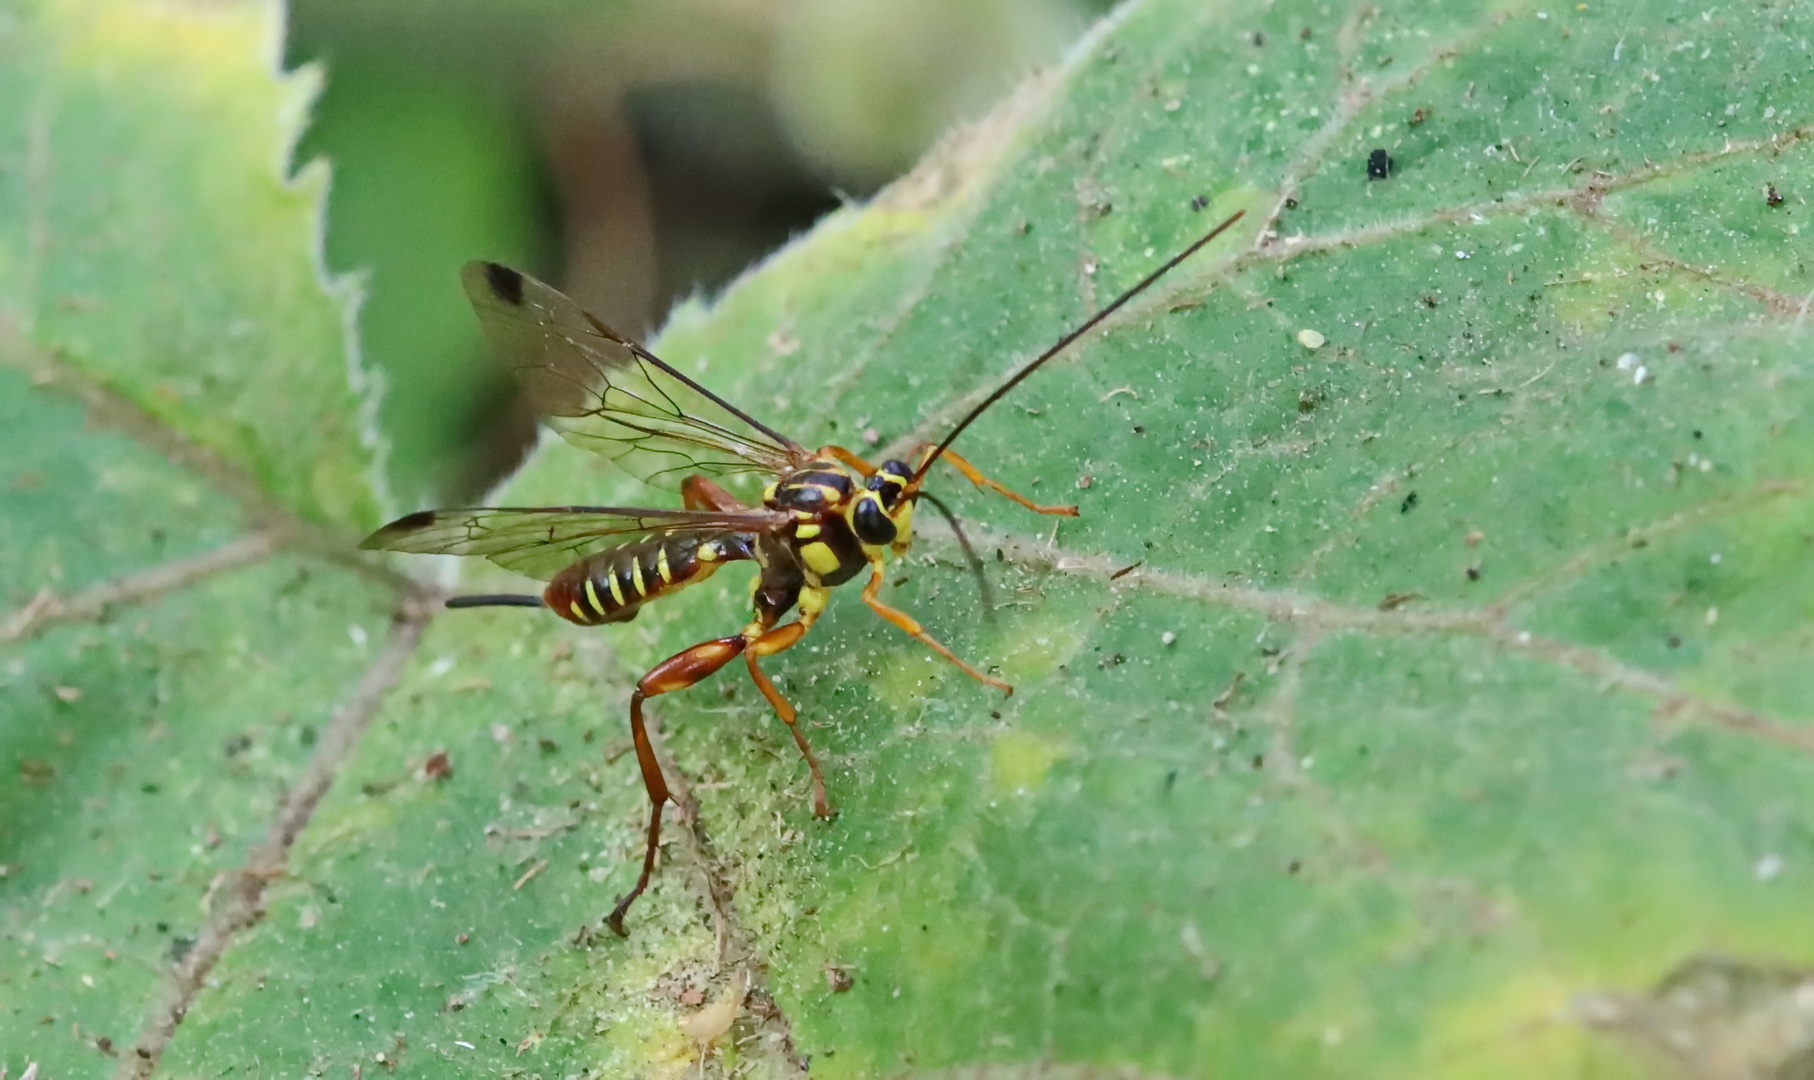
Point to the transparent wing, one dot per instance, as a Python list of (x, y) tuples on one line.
[(540, 541), (609, 394)]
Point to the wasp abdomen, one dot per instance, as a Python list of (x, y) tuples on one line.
[(613, 585)]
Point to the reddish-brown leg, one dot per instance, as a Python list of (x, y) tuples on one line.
[(972, 474), (912, 626), (677, 672), (698, 493), (770, 643)]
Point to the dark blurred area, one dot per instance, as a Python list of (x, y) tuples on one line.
[(631, 152)]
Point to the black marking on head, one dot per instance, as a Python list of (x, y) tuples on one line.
[(506, 284), (872, 523), (889, 481)]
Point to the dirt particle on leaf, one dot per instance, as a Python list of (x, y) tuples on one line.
[(1380, 165), (838, 979), (1772, 197), (438, 766)]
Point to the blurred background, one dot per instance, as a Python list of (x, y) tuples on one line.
[(631, 152)]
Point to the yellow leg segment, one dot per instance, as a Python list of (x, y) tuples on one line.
[(972, 474), (912, 626)]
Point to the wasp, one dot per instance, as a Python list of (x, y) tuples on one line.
[(827, 515)]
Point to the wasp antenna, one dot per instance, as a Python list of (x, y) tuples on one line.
[(1062, 343), (984, 595), (496, 600)]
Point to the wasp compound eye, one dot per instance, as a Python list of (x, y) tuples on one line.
[(872, 523)]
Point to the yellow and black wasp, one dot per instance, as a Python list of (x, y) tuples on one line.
[(826, 516)]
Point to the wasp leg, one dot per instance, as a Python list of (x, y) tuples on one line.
[(677, 672), (849, 458), (698, 493), (770, 643), (912, 626), (972, 474)]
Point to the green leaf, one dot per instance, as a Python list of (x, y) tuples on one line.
[(180, 465), (1453, 722)]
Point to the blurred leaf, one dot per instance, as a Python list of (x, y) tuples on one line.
[(427, 175), (181, 445), (1454, 721)]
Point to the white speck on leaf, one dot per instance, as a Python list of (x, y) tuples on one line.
[(1310, 339), (1768, 867), (1628, 361), (1167, 638)]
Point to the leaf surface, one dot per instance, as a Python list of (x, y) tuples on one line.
[(1453, 720)]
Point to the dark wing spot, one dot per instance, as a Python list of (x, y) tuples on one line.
[(506, 284), (403, 526)]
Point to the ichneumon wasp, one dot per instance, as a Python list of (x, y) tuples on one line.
[(826, 515)]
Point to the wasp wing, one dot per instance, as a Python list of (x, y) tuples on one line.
[(609, 394), (540, 541)]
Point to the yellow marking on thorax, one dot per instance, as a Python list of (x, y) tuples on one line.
[(661, 565), (707, 553), (617, 591), (636, 577), (820, 558), (579, 612), (806, 532), (592, 596)]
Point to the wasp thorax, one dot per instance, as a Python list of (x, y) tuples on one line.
[(819, 486)]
